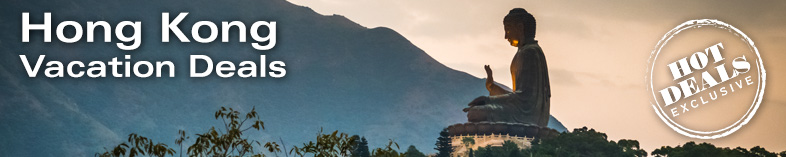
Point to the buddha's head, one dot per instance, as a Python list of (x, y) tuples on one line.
[(519, 26)]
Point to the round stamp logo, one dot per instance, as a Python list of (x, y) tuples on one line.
[(706, 78)]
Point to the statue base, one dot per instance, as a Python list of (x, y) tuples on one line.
[(495, 134)]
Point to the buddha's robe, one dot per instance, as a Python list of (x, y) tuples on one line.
[(529, 101)]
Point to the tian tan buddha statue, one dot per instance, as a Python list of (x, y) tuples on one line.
[(528, 103)]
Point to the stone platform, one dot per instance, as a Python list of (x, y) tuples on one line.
[(495, 134)]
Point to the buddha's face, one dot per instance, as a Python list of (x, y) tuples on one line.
[(514, 33)]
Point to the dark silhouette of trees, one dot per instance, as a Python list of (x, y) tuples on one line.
[(225, 141), (759, 151), (232, 140), (179, 140), (511, 149), (229, 141), (361, 148), (340, 144), (508, 149), (632, 146), (443, 144), (709, 150), (583, 142), (387, 151), (136, 146), (586, 142), (468, 143), (487, 151), (413, 152), (334, 144)]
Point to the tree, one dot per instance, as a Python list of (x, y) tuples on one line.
[(508, 149), (581, 142), (229, 141), (179, 140), (484, 152), (353, 152), (327, 145), (759, 151), (388, 151), (413, 152), (443, 144), (468, 142), (691, 149), (632, 146), (361, 148), (138, 145)]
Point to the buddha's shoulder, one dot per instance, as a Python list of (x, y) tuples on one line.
[(532, 49), (531, 46)]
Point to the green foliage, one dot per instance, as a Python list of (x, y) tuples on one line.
[(388, 151), (413, 152), (705, 149), (361, 148), (632, 146), (468, 141), (229, 141), (511, 149), (136, 146), (759, 151), (179, 140), (585, 143), (443, 144), (340, 144), (508, 149), (327, 145)]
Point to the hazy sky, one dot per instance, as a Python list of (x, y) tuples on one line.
[(597, 54)]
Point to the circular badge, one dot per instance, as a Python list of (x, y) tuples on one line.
[(706, 78)]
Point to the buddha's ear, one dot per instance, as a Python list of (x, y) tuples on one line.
[(520, 25), (522, 30)]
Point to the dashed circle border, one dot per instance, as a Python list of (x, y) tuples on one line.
[(756, 100)]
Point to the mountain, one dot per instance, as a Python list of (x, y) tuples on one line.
[(340, 76)]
